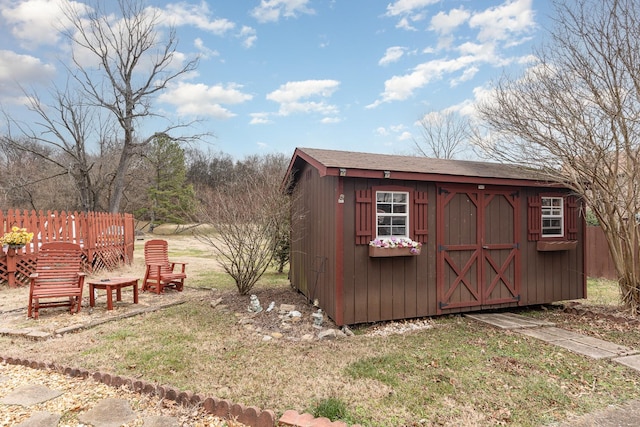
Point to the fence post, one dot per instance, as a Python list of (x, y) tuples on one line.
[(11, 267)]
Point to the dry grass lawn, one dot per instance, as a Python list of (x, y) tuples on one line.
[(455, 373)]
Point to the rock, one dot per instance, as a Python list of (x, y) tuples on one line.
[(267, 338), (215, 302), (108, 412), (307, 337), (276, 335), (330, 334), (348, 332), (245, 321), (294, 314), (286, 308)]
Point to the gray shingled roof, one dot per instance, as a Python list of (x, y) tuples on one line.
[(421, 165)]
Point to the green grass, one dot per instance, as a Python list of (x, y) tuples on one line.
[(459, 365), (601, 292), (211, 279), (332, 408)]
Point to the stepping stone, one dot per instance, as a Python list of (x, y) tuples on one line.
[(108, 413), (41, 419), (159, 421), (30, 394), (508, 320), (578, 343), (632, 362)]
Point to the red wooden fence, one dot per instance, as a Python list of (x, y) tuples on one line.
[(106, 239), (598, 259)]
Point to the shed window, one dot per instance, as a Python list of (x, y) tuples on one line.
[(552, 217), (392, 214), (390, 211)]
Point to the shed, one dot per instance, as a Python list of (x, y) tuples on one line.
[(493, 236)]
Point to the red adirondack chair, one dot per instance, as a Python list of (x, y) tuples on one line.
[(58, 277), (160, 272)]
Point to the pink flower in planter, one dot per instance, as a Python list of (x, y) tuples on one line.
[(396, 242)]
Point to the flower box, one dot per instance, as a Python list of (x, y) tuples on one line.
[(376, 252), (556, 245)]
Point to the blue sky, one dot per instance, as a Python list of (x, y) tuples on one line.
[(276, 74)]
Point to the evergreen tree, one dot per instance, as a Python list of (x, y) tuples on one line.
[(171, 198)]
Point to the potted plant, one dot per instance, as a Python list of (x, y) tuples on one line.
[(17, 238)]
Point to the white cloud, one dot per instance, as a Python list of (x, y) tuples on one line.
[(330, 120), (292, 97), (404, 24), (501, 22), (405, 136), (399, 88), (445, 23), (38, 22), (25, 69), (393, 54), (467, 75), (497, 29), (381, 131), (197, 15), (406, 7), (205, 52), (197, 99), (273, 10), (249, 36), (293, 91), (260, 119)]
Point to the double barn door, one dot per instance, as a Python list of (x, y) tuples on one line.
[(478, 259)]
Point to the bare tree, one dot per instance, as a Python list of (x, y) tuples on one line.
[(132, 63), (575, 115), (443, 134), (246, 216), (28, 182), (60, 136)]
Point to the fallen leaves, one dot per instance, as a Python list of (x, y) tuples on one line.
[(80, 395)]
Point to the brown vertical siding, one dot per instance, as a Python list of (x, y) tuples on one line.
[(549, 276), (313, 244), (375, 289)]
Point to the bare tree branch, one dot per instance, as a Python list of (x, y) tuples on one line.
[(444, 135)]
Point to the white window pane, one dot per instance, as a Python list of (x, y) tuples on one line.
[(392, 213)]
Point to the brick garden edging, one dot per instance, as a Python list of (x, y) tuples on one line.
[(222, 408), (582, 311)]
